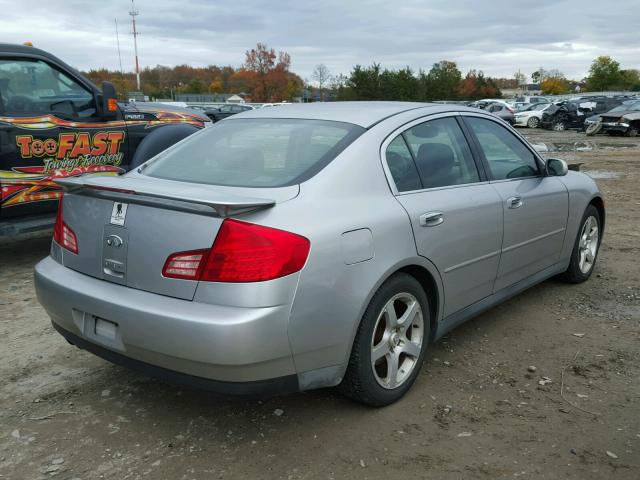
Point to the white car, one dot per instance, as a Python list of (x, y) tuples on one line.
[(532, 116)]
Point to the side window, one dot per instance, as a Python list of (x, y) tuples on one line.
[(32, 87), (506, 155), (442, 154), (402, 167)]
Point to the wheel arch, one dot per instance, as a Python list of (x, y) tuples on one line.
[(598, 202), (161, 138)]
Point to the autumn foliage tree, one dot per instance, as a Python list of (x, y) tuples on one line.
[(267, 74), (554, 86)]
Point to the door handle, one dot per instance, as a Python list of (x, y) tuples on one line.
[(431, 219), (514, 202)]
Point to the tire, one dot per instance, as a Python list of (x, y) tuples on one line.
[(533, 122), (580, 272), (631, 132), (375, 383), (593, 129), (158, 140), (559, 126)]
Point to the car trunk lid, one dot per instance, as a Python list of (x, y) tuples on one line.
[(127, 227)]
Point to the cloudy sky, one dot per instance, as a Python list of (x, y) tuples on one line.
[(497, 36)]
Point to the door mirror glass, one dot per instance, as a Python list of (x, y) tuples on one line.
[(557, 167)]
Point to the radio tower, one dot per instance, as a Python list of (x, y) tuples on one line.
[(134, 13)]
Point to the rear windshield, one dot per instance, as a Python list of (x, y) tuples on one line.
[(263, 152)]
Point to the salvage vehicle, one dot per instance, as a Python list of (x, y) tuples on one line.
[(622, 120), (531, 116), (319, 245), (224, 111), (54, 123), (571, 114), (501, 110)]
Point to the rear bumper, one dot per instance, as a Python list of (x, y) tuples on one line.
[(168, 336), (12, 226), (273, 386)]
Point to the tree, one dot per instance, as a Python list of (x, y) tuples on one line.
[(322, 76), (442, 81), (216, 86), (520, 78), (476, 86), (268, 78), (604, 74), (554, 86)]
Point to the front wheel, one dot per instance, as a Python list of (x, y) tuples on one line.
[(390, 344), (533, 122), (559, 126), (585, 249)]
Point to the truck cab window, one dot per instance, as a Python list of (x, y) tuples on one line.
[(33, 87)]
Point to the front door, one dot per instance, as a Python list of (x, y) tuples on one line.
[(49, 129), (535, 206), (456, 217)]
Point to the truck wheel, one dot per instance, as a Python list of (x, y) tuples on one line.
[(632, 131), (593, 128), (533, 122), (158, 140), (390, 345)]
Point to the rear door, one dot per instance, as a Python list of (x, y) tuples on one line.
[(535, 206), (456, 216), (49, 129)]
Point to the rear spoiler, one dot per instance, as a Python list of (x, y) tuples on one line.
[(202, 199)]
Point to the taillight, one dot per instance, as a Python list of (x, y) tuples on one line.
[(62, 234), (242, 252), (185, 265)]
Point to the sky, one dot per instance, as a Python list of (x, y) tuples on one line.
[(498, 37)]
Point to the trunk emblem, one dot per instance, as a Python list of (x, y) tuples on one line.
[(114, 241), (118, 213)]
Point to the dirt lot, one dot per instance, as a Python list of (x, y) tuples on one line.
[(475, 411)]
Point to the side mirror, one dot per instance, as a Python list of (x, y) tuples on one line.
[(557, 167), (109, 101)]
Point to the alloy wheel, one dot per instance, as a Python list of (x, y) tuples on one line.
[(588, 246), (397, 340), (533, 122)]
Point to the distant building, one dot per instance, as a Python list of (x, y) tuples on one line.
[(211, 97)]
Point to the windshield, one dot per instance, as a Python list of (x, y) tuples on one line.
[(627, 107), (263, 152)]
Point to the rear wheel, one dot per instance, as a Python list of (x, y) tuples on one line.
[(585, 249), (389, 347), (533, 122)]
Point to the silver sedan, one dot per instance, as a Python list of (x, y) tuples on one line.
[(313, 246)]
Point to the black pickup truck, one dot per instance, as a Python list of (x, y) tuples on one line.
[(55, 123)]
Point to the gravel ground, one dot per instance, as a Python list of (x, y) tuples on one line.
[(476, 411)]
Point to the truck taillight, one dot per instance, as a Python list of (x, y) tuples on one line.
[(242, 252), (62, 234)]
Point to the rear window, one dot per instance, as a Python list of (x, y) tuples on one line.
[(263, 152)]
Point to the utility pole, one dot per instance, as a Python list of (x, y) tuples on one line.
[(134, 13), (118, 41)]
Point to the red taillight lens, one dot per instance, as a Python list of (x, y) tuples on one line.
[(245, 252), (242, 252), (185, 265), (62, 234)]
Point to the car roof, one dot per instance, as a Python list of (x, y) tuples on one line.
[(365, 114)]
